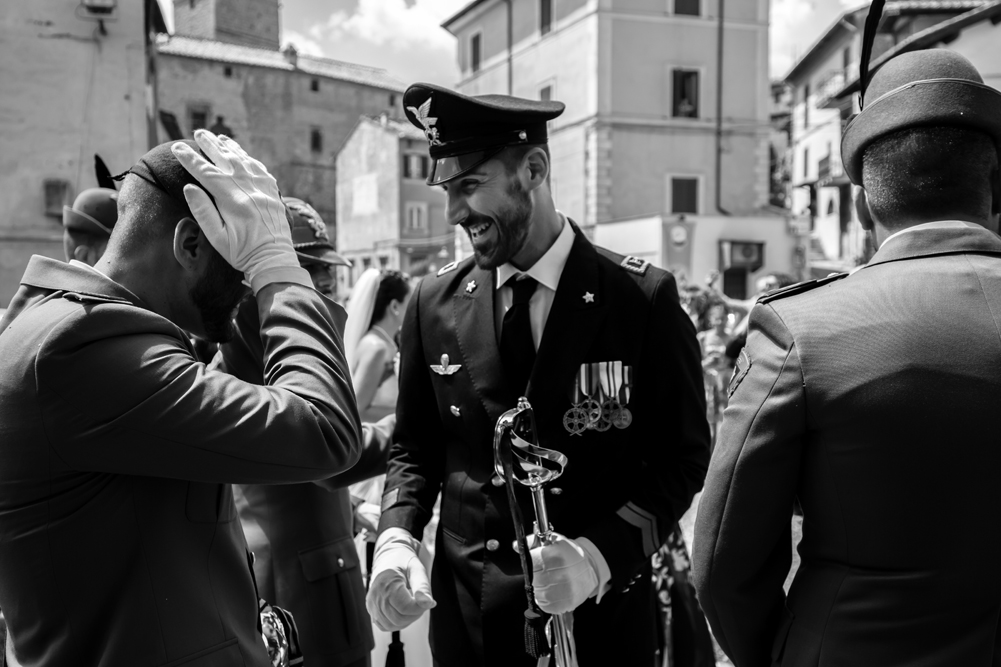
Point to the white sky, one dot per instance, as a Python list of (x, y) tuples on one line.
[(405, 37)]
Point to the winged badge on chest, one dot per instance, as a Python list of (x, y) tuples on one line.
[(445, 368)]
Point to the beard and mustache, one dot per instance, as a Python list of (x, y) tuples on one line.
[(216, 295), (511, 224)]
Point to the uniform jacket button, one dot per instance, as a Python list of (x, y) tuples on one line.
[(516, 547), (497, 480), (455, 410), (340, 562), (555, 490), (493, 545)]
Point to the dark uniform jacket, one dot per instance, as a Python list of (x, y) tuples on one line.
[(119, 540), (310, 564), (874, 400), (622, 489)]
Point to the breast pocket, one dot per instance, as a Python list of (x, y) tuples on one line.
[(210, 503), (336, 595)]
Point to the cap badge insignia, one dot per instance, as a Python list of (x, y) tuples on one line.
[(430, 131), (445, 368)]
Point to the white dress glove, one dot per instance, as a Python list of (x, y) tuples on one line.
[(564, 575), (247, 223), (399, 592)]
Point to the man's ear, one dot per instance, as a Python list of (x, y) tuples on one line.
[(188, 246), (538, 167), (862, 210), (80, 254)]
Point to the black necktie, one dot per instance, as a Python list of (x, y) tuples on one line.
[(516, 347)]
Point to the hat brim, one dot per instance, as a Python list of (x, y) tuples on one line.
[(448, 168), (321, 256), (76, 221), (928, 103)]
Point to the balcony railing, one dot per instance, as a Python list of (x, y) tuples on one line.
[(829, 86)]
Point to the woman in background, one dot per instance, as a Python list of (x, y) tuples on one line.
[(375, 313)]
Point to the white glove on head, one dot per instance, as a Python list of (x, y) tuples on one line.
[(399, 592), (563, 575), (247, 223)]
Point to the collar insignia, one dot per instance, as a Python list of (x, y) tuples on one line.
[(430, 131)]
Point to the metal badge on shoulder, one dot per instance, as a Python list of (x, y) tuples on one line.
[(635, 265), (448, 267)]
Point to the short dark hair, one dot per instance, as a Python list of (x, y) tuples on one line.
[(148, 213), (929, 172), (512, 156), (393, 286)]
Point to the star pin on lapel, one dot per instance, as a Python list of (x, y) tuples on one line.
[(470, 286), (445, 368), (588, 297)]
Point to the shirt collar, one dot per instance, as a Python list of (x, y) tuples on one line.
[(84, 265), (549, 268), (938, 224)]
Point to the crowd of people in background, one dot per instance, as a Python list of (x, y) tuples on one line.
[(721, 323)]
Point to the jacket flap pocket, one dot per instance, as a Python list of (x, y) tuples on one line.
[(329, 559)]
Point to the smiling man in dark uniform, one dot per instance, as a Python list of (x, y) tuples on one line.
[(599, 345), (872, 399)]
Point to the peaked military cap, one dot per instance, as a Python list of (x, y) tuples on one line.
[(94, 211), (935, 87), (463, 132), (309, 235)]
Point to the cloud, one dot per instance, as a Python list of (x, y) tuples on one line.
[(395, 24), (785, 33), (303, 44)]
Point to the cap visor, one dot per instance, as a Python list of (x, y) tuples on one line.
[(446, 168)]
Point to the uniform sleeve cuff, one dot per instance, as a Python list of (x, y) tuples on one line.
[(600, 567)]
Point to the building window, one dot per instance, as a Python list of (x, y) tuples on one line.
[(227, 71), (366, 263), (198, 117), (316, 140), (686, 94), (392, 101), (474, 51), (383, 263), (806, 162), (687, 7), (416, 166), (55, 195), (314, 85), (684, 194), (545, 16), (546, 93), (846, 58), (416, 215)]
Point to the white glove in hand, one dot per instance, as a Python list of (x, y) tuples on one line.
[(564, 575), (247, 223), (399, 592)]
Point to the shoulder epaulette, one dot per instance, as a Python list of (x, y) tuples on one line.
[(451, 266), (799, 288), (635, 265)]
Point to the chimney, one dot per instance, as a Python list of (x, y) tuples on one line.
[(291, 55)]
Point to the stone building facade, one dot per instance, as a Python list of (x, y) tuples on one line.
[(387, 216), (74, 83), (291, 111)]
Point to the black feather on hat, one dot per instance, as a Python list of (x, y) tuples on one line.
[(931, 88)]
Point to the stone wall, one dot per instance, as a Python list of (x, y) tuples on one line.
[(69, 92)]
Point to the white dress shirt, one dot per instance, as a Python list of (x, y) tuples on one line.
[(547, 272)]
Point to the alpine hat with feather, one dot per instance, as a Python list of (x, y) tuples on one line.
[(934, 87)]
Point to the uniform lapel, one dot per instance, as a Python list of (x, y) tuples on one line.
[(477, 335), (573, 323)]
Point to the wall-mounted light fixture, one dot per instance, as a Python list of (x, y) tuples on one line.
[(98, 10)]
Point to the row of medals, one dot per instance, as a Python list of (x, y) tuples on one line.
[(601, 413)]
